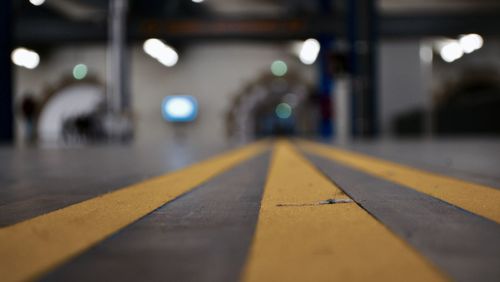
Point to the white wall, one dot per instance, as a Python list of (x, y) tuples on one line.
[(402, 80), (53, 68), (488, 57), (211, 72), (407, 82)]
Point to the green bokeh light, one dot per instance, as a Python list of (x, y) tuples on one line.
[(279, 68), (283, 110), (80, 71)]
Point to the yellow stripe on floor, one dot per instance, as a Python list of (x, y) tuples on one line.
[(33, 247), (479, 199), (298, 240)]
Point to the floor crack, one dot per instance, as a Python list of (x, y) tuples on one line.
[(325, 202)]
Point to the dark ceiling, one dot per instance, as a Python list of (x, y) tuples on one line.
[(67, 21)]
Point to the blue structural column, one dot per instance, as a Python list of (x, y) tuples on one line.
[(6, 105), (326, 125)]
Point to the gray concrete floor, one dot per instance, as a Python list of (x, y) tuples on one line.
[(35, 181)]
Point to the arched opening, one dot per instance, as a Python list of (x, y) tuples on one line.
[(273, 106), (66, 106)]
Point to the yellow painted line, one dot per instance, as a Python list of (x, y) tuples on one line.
[(33, 247), (479, 199), (338, 242)]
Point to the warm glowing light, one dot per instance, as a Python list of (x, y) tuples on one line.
[(162, 52), (279, 68), (451, 51), (180, 108), (37, 2), (309, 51), (80, 71), (25, 58), (283, 110), (471, 42)]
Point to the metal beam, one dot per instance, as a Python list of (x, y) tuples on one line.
[(56, 31), (420, 25)]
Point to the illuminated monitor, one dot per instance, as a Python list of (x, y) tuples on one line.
[(179, 108)]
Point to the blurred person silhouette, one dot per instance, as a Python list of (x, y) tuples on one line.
[(28, 109)]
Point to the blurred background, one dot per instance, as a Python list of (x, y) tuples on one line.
[(93, 71)]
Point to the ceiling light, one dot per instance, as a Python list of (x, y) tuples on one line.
[(309, 51), (471, 42), (162, 52), (37, 2), (451, 52), (25, 58)]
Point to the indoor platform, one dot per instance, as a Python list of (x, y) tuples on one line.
[(284, 210)]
